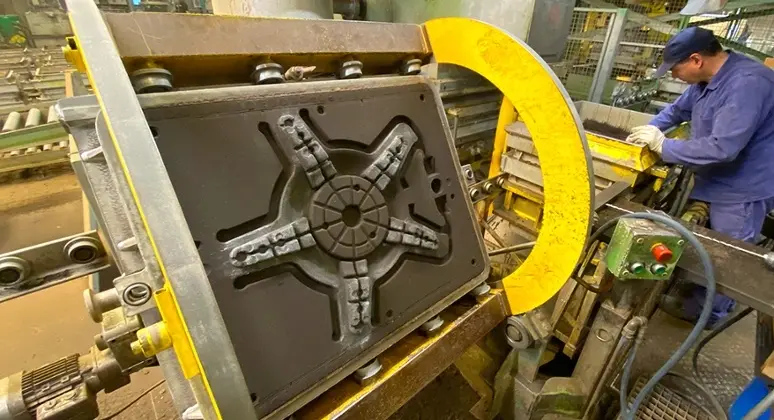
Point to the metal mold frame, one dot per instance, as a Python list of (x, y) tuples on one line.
[(145, 191), (223, 392), (246, 93)]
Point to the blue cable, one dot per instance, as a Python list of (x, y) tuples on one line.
[(709, 274)]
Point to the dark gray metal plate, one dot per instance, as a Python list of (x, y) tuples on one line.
[(325, 218)]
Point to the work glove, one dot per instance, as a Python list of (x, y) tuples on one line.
[(648, 135)]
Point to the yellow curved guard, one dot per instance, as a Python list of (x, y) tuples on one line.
[(543, 104)]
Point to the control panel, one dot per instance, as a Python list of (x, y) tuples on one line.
[(642, 249)]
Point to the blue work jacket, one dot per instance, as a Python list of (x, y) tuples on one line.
[(731, 149)]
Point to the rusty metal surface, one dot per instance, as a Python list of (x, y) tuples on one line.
[(410, 364), (739, 275), (231, 46)]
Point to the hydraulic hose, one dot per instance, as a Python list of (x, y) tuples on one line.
[(690, 340)]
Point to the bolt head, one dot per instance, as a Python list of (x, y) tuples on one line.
[(150, 80), (351, 70), (640, 240), (412, 67), (137, 294), (367, 373), (432, 326), (267, 73), (514, 333), (480, 290)]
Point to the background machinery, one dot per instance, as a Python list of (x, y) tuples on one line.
[(291, 233)]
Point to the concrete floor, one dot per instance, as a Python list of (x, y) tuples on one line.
[(726, 363), (44, 326)]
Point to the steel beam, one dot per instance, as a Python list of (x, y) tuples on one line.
[(32, 136), (410, 365), (222, 383), (738, 274), (236, 44), (43, 265), (609, 54)]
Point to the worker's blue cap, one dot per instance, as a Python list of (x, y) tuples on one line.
[(682, 45)]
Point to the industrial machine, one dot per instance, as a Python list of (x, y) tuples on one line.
[(352, 226), (294, 235)]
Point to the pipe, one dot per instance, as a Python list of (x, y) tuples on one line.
[(300, 9), (52, 117), (349, 9), (518, 247), (637, 325), (627, 334), (33, 117), (12, 122), (760, 408)]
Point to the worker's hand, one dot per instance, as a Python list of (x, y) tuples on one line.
[(648, 135)]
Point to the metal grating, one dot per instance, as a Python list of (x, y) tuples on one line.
[(666, 404)]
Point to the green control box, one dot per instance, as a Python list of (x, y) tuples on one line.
[(642, 249)]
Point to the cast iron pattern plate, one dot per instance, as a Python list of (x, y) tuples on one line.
[(325, 218)]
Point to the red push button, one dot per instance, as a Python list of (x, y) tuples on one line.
[(661, 253)]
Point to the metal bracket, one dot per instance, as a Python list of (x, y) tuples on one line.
[(488, 188), (136, 291), (39, 266)]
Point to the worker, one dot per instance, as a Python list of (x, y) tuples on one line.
[(730, 104)]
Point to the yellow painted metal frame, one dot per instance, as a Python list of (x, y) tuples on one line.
[(543, 104)]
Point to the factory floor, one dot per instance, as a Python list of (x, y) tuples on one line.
[(43, 326), (725, 364)]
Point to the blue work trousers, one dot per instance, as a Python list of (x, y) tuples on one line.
[(741, 221)]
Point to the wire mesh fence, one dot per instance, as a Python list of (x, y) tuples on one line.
[(614, 64), (588, 31), (749, 31), (620, 57)]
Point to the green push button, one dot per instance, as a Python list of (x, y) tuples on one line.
[(637, 268), (658, 269)]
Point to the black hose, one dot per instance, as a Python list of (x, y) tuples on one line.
[(512, 248)]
